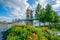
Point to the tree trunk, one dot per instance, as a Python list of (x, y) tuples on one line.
[(44, 23), (52, 24), (49, 24), (55, 25), (39, 23)]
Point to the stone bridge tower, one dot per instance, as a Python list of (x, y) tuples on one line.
[(29, 15)]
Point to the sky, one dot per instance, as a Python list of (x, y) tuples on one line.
[(11, 9)]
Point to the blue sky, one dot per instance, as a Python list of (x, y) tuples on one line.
[(11, 9), (31, 1), (4, 12)]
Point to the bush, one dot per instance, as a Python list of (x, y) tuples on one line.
[(29, 33)]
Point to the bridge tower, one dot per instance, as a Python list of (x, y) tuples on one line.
[(29, 15)]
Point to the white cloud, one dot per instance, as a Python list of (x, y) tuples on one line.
[(42, 2), (57, 5), (4, 18), (18, 7), (58, 1)]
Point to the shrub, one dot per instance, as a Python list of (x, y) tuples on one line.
[(29, 33)]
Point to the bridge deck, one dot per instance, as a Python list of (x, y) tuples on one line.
[(20, 20)]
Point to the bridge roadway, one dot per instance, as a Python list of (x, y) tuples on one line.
[(20, 20)]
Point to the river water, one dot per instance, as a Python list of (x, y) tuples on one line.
[(4, 27)]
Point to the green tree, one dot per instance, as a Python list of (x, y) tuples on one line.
[(38, 13), (48, 13), (42, 17), (55, 18)]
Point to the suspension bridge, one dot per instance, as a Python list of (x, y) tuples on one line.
[(29, 18)]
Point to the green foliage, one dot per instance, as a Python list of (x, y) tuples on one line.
[(43, 16), (13, 38), (46, 14), (55, 37), (38, 11), (28, 32), (54, 17)]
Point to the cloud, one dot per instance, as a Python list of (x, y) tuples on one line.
[(18, 7), (4, 18), (58, 1), (52, 2), (55, 4), (42, 2), (56, 7)]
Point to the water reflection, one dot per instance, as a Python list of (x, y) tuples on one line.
[(4, 27)]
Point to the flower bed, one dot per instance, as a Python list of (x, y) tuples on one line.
[(29, 33)]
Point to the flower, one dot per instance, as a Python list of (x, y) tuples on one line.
[(46, 28), (35, 36)]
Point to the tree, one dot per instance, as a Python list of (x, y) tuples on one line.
[(55, 18), (48, 13), (43, 13), (38, 12)]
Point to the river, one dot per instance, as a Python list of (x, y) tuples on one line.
[(4, 27)]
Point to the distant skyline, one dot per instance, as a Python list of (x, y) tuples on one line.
[(11, 9)]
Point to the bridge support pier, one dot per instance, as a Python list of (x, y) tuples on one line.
[(29, 15)]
